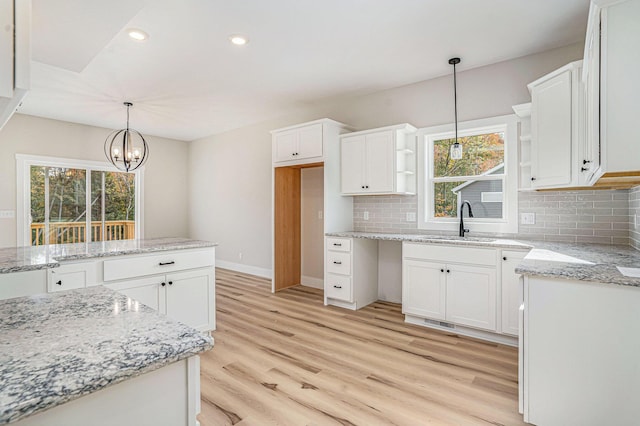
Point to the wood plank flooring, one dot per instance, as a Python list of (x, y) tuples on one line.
[(286, 359)]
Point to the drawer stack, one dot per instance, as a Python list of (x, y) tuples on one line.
[(351, 272)]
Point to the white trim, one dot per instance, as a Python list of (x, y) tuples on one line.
[(426, 136), (464, 331), (312, 282), (23, 188), (247, 269)]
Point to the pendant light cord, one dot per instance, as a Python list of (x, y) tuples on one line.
[(454, 62)]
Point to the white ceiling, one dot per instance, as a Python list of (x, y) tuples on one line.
[(187, 81)]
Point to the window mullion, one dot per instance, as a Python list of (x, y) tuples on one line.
[(87, 211), (45, 240)]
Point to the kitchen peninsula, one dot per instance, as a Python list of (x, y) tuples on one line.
[(80, 357), (76, 319)]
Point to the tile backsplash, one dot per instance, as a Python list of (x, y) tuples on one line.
[(602, 216)]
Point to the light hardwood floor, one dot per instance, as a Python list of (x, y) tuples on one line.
[(287, 359)]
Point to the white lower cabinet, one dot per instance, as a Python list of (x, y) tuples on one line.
[(186, 296), (72, 275), (471, 296), (461, 287), (423, 289), (351, 272), (511, 291)]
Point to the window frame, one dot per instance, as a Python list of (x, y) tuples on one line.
[(23, 191), (425, 185)]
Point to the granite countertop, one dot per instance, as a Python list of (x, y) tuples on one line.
[(583, 262), (50, 353), (438, 239), (17, 259)]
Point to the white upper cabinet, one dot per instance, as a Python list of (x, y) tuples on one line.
[(378, 161), (557, 122), (15, 55), (304, 143), (612, 58)]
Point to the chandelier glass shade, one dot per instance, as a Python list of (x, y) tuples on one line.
[(126, 148)]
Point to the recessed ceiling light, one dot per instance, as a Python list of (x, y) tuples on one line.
[(238, 40), (137, 34)]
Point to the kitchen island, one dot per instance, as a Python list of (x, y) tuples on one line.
[(175, 276), (94, 356)]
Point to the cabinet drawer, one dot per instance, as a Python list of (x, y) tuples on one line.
[(450, 254), (71, 276), (338, 287), (138, 266), (338, 244), (339, 263)]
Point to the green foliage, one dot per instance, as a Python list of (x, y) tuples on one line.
[(481, 153)]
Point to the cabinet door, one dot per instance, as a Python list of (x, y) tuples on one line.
[(352, 164), (148, 291), (511, 295), (380, 157), (70, 276), (591, 142), (286, 146), (551, 123), (191, 298), (310, 142), (471, 296), (423, 289)]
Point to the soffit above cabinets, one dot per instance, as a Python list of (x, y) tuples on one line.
[(188, 81)]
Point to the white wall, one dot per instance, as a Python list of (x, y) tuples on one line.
[(230, 173), (312, 232), (165, 197)]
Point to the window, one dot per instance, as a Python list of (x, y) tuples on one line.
[(486, 176), (64, 201)]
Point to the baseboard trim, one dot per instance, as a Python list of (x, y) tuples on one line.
[(247, 269), (312, 282)]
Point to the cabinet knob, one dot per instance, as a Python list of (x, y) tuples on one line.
[(337, 262), (504, 258), (163, 284), (584, 169), (59, 282), (362, 187), (170, 282), (366, 186), (586, 161), (448, 271), (337, 286), (532, 178), (441, 270)]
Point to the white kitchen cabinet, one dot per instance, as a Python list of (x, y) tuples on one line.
[(611, 59), (15, 55), (424, 289), (351, 272), (378, 161), (24, 283), (461, 288), (471, 296), (72, 275), (298, 144), (511, 291), (557, 127), (180, 284), (580, 352)]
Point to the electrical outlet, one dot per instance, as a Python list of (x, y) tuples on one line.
[(411, 216), (528, 218), (7, 214), (365, 216)]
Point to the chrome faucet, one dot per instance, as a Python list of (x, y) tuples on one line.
[(462, 229)]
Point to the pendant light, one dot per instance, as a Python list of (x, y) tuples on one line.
[(456, 148), (126, 148)]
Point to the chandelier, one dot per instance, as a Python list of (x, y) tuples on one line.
[(126, 148)]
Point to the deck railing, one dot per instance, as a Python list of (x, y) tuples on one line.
[(74, 232)]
